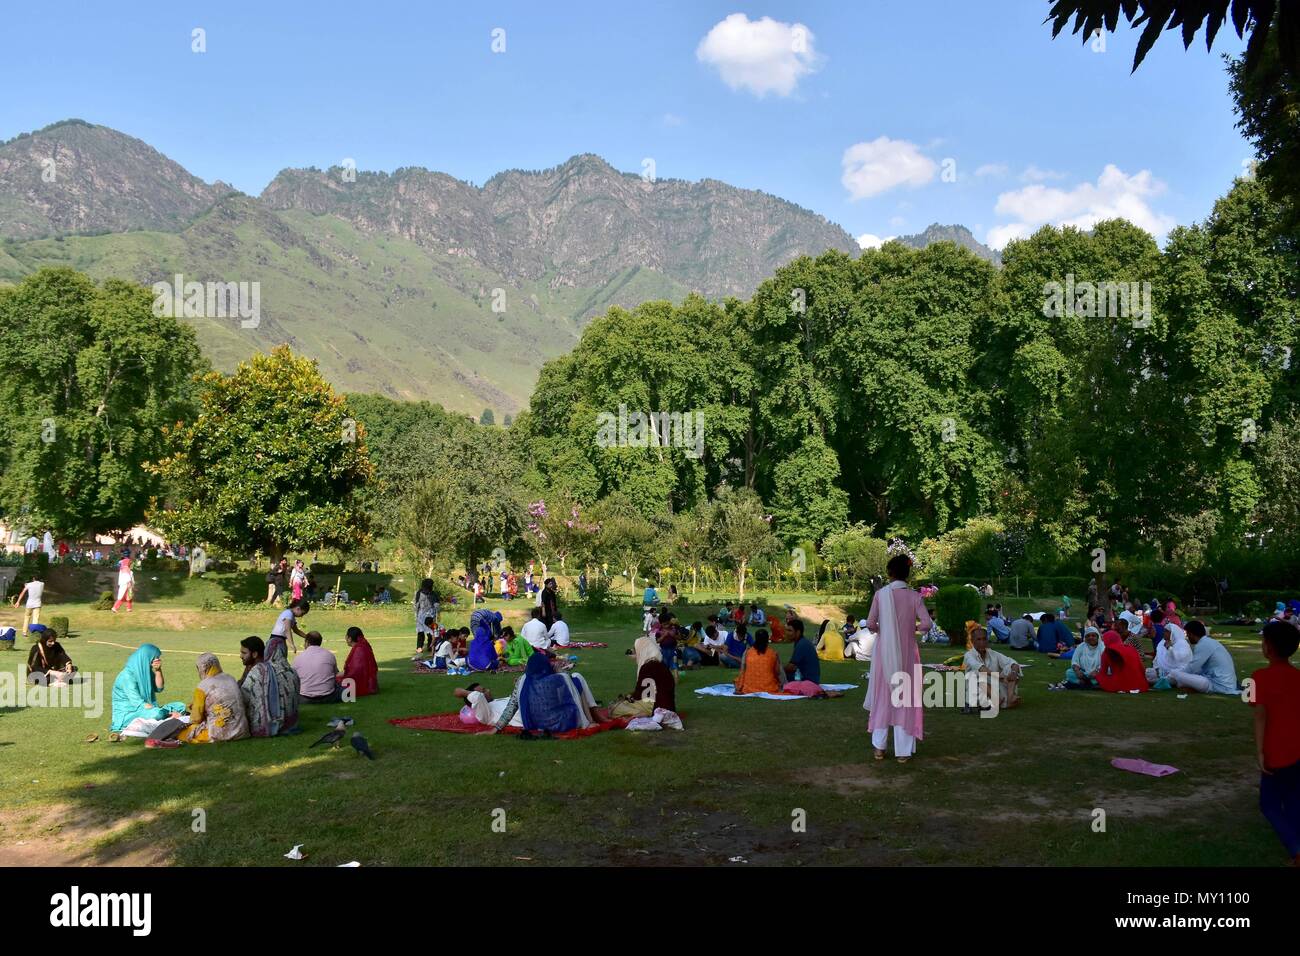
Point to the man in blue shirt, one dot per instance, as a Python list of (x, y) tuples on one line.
[(998, 628), (733, 649), (1211, 670), (1052, 633), (651, 596), (756, 616), (804, 664)]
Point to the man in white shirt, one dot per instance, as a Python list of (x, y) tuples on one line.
[(33, 590), (559, 632), (1133, 621), (30, 545), (534, 632), (712, 642)]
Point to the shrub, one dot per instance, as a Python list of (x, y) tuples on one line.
[(600, 595), (973, 549), (59, 625), (953, 607), (105, 602), (856, 549), (38, 562)]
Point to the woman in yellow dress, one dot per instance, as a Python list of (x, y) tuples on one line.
[(830, 643), (217, 712)]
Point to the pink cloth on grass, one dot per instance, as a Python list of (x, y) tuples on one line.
[(1137, 765), (804, 688)]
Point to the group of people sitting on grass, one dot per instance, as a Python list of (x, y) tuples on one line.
[(544, 701), (670, 645), (487, 645), (263, 702), (1110, 651)]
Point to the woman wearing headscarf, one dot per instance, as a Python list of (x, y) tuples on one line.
[(1121, 666), (360, 668), (486, 626), (760, 668), (1086, 662), (1171, 614), (48, 661), (136, 712), (125, 582), (895, 612), (830, 643), (1173, 653), (547, 702), (217, 711), (654, 679)]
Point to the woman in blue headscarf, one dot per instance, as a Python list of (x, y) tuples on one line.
[(547, 702), (136, 711), (483, 648)]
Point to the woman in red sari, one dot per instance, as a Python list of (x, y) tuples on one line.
[(1121, 666), (360, 667)]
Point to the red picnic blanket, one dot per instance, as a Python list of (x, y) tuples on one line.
[(451, 723)]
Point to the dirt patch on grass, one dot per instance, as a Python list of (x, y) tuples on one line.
[(851, 779), (60, 835)]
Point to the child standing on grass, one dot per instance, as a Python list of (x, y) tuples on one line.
[(1275, 695)]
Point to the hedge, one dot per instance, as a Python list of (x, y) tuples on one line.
[(59, 625)]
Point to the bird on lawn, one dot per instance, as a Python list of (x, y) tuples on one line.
[(332, 738), (339, 723), (360, 746)]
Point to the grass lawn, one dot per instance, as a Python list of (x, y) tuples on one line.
[(1018, 789)]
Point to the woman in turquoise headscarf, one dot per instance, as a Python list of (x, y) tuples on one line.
[(136, 711)]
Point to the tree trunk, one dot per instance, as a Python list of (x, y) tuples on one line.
[(693, 578), (742, 579)]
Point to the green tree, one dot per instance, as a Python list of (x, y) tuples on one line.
[(487, 418), (742, 531), (428, 513), (273, 461), (91, 379), (687, 540), (625, 538)]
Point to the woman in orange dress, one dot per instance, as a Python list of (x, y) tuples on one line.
[(760, 668)]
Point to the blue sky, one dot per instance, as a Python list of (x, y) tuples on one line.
[(1036, 130)]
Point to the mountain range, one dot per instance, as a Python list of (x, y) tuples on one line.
[(412, 284)]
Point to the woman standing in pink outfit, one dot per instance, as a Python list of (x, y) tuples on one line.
[(896, 660)]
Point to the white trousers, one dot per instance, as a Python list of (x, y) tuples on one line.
[(1197, 682), (904, 743)]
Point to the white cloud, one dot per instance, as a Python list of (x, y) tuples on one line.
[(1033, 174), (762, 56), (672, 119), (1113, 196), (896, 221), (992, 169), (884, 164), (868, 241)]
